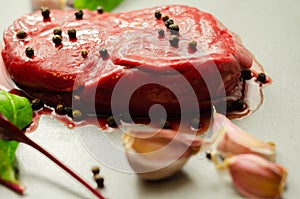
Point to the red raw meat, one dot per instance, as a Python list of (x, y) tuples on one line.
[(143, 69)]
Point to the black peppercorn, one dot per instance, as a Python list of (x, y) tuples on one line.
[(72, 33), (229, 106), (246, 74), (104, 53), (157, 14), (57, 31), (29, 52), (161, 32), (79, 14), (236, 105), (69, 111), (262, 77), (208, 155), (45, 12), (37, 104), (60, 109), (76, 99), (95, 170), (57, 39), (77, 115), (193, 45), (174, 40), (99, 180), (165, 18), (169, 22), (21, 34), (84, 53), (174, 28), (100, 10), (111, 122)]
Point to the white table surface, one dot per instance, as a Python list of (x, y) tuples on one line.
[(270, 29)]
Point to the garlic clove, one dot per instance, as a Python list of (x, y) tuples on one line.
[(159, 155), (256, 177), (237, 141)]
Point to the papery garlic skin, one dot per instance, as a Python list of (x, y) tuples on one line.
[(255, 177), (160, 155), (237, 141)]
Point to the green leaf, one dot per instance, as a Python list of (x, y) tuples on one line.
[(19, 112), (16, 109), (7, 156), (107, 5)]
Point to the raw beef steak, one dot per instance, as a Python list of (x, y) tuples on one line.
[(141, 67)]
